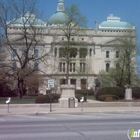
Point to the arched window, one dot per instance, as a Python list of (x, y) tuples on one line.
[(107, 67), (107, 54)]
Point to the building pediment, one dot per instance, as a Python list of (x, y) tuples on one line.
[(110, 42)]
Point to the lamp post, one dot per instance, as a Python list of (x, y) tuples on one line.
[(7, 102)]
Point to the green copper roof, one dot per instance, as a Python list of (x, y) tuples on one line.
[(114, 22), (27, 19), (58, 18)]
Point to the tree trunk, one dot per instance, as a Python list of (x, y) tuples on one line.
[(20, 87), (68, 61)]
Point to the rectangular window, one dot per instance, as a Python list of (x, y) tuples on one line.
[(107, 67), (107, 54), (60, 67), (14, 53), (90, 52), (36, 66), (63, 67), (117, 54), (36, 53), (82, 52), (82, 67), (14, 64), (73, 67), (70, 67), (62, 52)]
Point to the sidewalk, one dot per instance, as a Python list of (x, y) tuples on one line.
[(89, 107)]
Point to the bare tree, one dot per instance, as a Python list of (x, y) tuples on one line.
[(73, 28), (23, 38)]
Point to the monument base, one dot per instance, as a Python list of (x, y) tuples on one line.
[(128, 94), (68, 99)]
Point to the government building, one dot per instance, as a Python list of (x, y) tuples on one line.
[(99, 53)]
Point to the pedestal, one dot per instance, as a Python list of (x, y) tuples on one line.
[(128, 94), (67, 93)]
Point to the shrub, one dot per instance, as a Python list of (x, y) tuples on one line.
[(54, 97), (47, 98), (108, 97), (136, 92), (79, 96), (114, 92), (85, 92), (42, 99)]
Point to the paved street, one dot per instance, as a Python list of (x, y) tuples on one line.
[(85, 126)]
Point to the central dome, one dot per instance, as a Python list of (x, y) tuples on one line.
[(60, 17)]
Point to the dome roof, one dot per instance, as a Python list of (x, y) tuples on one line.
[(28, 19), (114, 22), (58, 18)]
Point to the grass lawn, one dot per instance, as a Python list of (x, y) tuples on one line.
[(17, 100), (91, 97)]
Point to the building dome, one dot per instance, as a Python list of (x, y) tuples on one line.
[(60, 17), (113, 22), (27, 19)]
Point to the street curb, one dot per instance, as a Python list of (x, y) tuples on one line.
[(80, 112)]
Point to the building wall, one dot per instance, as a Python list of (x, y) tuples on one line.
[(99, 41)]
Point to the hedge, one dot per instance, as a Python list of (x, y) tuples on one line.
[(115, 93), (47, 98), (136, 92), (84, 92), (108, 97)]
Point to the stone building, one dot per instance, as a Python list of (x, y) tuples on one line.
[(83, 69)]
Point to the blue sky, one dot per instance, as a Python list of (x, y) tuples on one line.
[(127, 10)]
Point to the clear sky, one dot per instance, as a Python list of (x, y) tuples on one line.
[(127, 10)]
